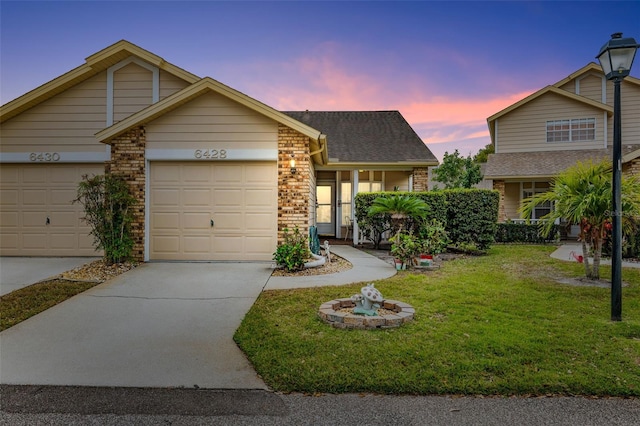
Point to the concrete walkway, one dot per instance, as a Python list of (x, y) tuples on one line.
[(566, 251), (365, 268)]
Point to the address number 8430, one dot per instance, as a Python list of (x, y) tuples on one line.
[(44, 156)]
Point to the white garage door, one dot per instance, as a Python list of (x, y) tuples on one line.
[(37, 217), (213, 211)]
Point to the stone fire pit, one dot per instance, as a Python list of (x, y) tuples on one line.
[(393, 314)]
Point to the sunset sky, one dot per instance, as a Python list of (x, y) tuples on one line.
[(446, 66)]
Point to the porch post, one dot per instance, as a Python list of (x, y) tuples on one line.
[(354, 190)]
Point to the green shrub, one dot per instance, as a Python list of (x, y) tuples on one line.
[(293, 252), (374, 226), (469, 216), (524, 233), (432, 237), (108, 207), (472, 216)]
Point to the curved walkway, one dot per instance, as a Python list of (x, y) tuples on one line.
[(565, 252), (366, 267)]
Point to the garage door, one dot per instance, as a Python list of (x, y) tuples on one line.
[(213, 211), (37, 217)]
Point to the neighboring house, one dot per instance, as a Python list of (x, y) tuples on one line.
[(555, 127), (218, 175)]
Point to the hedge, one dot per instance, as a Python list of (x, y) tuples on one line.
[(469, 215), (373, 227), (524, 233), (472, 216)]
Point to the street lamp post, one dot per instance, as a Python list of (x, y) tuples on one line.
[(616, 58)]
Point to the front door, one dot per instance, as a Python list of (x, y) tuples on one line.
[(325, 208)]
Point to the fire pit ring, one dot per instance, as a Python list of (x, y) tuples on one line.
[(330, 313)]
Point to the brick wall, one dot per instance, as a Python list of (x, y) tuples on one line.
[(128, 160), (633, 167), (293, 188), (498, 185), (420, 179)]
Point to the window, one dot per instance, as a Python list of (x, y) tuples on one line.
[(529, 189), (578, 129), (345, 193)]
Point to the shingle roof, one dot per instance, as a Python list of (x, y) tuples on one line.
[(367, 136), (543, 163)]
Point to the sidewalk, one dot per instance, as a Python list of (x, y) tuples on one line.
[(566, 251)]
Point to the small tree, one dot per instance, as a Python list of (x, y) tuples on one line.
[(457, 172), (400, 208), (483, 155), (107, 204), (582, 195)]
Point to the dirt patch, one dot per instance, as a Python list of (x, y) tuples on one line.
[(338, 264), (585, 282), (97, 271)]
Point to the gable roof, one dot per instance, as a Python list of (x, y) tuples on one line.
[(201, 87), (355, 137), (555, 88), (93, 65), (549, 89)]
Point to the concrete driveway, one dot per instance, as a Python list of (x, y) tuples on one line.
[(159, 325), (18, 272)]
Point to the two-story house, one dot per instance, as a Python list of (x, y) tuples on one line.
[(218, 175), (555, 127)]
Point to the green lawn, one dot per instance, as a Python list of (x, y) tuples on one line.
[(26, 302), (494, 325)]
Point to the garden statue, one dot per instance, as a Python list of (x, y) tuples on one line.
[(327, 251), (368, 302)]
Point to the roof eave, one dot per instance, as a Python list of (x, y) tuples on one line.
[(94, 64), (185, 95), (545, 90)]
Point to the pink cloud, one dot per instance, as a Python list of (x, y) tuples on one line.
[(324, 81)]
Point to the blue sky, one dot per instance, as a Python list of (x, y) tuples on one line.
[(446, 66)]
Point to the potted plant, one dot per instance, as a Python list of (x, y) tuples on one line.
[(432, 240), (404, 249)]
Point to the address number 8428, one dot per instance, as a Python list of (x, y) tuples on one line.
[(210, 154)]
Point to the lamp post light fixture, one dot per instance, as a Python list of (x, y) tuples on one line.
[(616, 58)]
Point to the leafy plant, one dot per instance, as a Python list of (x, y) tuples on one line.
[(108, 203), (293, 252), (432, 238), (582, 195), (405, 247), (399, 208), (457, 172)]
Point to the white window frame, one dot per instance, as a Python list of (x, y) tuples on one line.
[(571, 130)]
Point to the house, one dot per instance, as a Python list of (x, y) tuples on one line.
[(217, 174), (555, 127)]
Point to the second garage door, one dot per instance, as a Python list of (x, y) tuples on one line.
[(37, 216), (213, 211)]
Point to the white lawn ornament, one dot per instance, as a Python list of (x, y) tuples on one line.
[(327, 251)]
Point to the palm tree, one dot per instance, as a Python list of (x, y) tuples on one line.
[(400, 208), (582, 195)]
